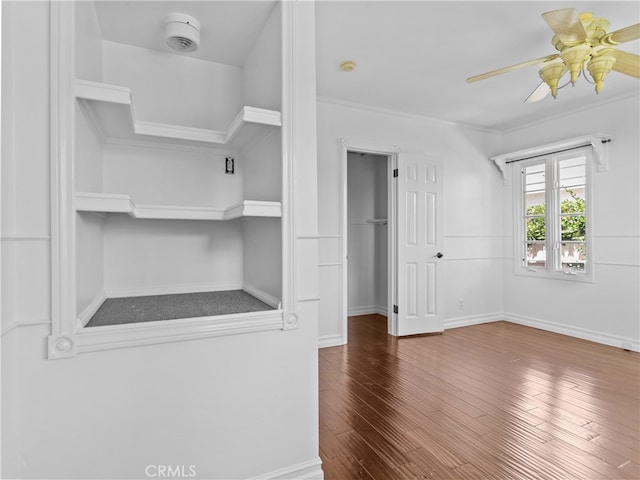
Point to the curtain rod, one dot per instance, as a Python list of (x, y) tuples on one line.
[(607, 140)]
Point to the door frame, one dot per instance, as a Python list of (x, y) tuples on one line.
[(391, 152)]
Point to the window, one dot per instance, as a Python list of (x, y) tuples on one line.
[(554, 204)]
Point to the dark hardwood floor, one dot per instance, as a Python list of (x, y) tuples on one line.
[(493, 401)]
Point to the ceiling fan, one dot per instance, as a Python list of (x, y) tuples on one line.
[(583, 42)]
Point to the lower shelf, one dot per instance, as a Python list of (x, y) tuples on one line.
[(153, 308)]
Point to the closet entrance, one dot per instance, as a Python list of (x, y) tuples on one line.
[(368, 286), (392, 238), (369, 225)]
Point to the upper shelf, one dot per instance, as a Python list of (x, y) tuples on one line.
[(112, 108), (121, 203)]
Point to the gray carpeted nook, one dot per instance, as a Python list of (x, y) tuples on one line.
[(117, 311)]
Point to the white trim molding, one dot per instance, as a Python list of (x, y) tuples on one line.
[(467, 321), (311, 470), (261, 295), (164, 331), (599, 142), (326, 341), (24, 238), (391, 152), (91, 309), (368, 310), (583, 333), (24, 323)]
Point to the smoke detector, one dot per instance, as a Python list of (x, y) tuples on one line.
[(182, 32)]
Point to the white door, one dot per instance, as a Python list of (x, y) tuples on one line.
[(419, 245)]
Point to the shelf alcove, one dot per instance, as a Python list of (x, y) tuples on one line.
[(153, 214)]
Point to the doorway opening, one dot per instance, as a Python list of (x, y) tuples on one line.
[(369, 222), (414, 238)]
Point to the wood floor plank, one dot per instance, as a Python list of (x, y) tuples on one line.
[(498, 400)]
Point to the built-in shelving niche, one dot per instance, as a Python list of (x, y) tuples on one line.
[(108, 225), (111, 109)]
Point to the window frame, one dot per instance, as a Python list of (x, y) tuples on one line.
[(552, 242)]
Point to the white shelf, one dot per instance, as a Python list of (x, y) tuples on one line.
[(252, 208), (121, 203), (111, 106)]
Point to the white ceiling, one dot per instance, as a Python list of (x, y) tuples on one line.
[(411, 56), (228, 28), (416, 56)]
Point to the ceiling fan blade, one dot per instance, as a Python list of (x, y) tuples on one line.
[(627, 63), (539, 93), (626, 34), (500, 71), (566, 24)]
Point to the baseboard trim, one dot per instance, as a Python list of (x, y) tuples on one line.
[(170, 289), (367, 310), (583, 333), (91, 309), (457, 322), (330, 341), (311, 470), (261, 295)]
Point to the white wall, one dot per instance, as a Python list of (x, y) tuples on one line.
[(262, 163), (170, 256), (25, 188), (186, 84), (88, 163), (262, 77), (88, 61), (381, 236), (367, 264), (234, 406), (478, 223), (472, 205), (607, 310)]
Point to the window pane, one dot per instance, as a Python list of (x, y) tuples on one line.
[(535, 224), (572, 200), (534, 203), (536, 255), (571, 172), (536, 229), (571, 197), (534, 178), (573, 227), (573, 256)]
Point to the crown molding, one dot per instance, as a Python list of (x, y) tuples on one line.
[(586, 108), (400, 113)]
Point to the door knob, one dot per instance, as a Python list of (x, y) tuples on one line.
[(439, 255)]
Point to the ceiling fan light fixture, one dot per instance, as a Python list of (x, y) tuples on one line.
[(599, 67), (551, 75), (574, 58)]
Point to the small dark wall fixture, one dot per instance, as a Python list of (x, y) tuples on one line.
[(229, 168)]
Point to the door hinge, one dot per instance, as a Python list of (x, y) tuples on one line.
[(395, 309), (395, 172)]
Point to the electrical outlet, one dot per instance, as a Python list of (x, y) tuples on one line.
[(460, 304)]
